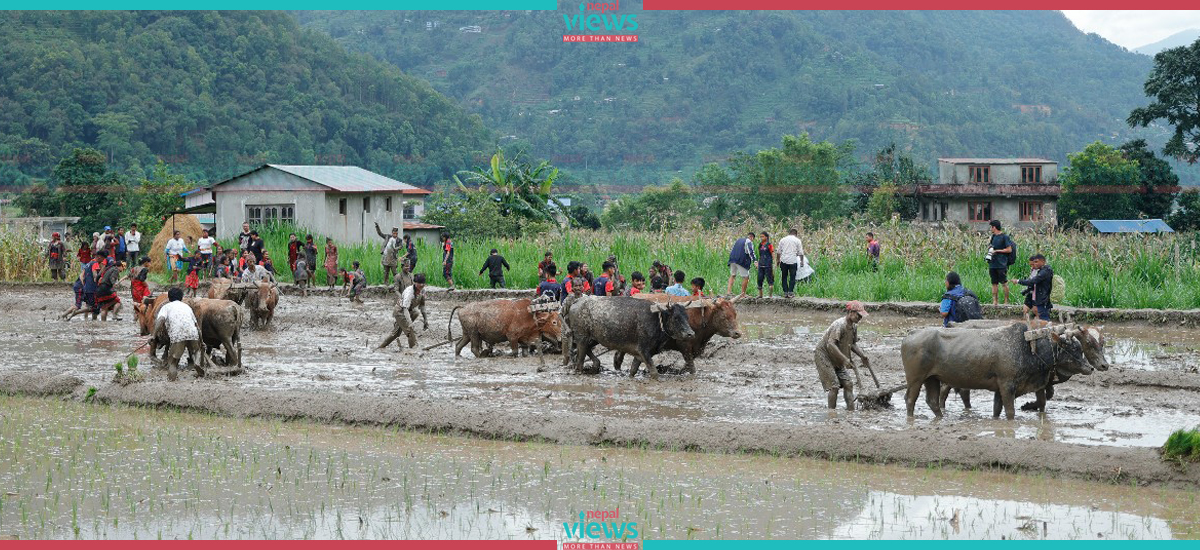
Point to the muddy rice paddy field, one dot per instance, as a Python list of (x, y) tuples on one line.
[(1088, 467)]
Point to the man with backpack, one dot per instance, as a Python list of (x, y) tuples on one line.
[(958, 304), (1002, 252)]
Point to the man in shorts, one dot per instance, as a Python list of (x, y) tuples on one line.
[(741, 258), (832, 355), (999, 248)]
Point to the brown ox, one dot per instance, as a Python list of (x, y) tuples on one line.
[(717, 317), (261, 303), (496, 321), (220, 324)]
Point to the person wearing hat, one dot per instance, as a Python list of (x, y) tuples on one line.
[(56, 257), (832, 355), (495, 266)]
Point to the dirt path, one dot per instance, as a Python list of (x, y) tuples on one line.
[(318, 361)]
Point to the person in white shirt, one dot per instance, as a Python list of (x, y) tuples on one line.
[(133, 241), (175, 250), (205, 244), (405, 312), (176, 323), (791, 257)]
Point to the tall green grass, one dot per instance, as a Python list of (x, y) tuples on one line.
[(1183, 445), (1115, 271)]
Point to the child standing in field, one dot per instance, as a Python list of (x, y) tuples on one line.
[(873, 251), (138, 283), (310, 259), (448, 260), (331, 263), (766, 264), (192, 281)]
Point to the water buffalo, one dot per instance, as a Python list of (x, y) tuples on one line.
[(220, 326), (261, 303), (218, 288), (1090, 337), (628, 325), (713, 318), (997, 359), (495, 321)]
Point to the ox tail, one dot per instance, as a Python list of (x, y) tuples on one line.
[(450, 323)]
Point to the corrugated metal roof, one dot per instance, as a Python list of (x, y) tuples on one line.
[(996, 161), (1131, 226), (348, 179), (409, 226)]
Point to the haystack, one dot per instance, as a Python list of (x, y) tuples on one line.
[(189, 229)]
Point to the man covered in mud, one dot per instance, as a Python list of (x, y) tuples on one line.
[(411, 301), (832, 355), (389, 257), (178, 323)]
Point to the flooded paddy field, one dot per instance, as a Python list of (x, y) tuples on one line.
[(71, 469), (318, 360)]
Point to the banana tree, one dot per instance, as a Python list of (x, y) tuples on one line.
[(520, 189)]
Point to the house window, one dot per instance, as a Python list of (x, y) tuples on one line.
[(980, 174), (342, 206), (271, 214), (387, 204), (1031, 211), (410, 210), (1031, 174), (367, 203), (979, 211)]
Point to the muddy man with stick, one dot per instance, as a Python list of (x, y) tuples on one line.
[(832, 356)]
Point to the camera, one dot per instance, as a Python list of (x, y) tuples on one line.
[(990, 253)]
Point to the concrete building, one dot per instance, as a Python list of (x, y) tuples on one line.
[(1020, 192), (342, 202)]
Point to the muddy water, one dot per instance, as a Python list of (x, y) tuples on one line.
[(327, 345), (75, 470)]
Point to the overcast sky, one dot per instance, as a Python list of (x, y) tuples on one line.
[(1132, 28)]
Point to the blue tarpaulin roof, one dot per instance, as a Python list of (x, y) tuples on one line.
[(1131, 226)]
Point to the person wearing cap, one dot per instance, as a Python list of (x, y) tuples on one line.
[(56, 257), (832, 355), (495, 266)]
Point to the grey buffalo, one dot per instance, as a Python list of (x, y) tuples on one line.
[(1089, 336), (629, 325), (707, 318), (999, 360)]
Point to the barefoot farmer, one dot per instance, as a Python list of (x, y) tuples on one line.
[(832, 355)]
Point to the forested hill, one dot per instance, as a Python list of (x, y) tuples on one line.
[(701, 84), (214, 92)]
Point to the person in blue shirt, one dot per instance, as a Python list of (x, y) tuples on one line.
[(551, 285), (677, 288), (954, 288)]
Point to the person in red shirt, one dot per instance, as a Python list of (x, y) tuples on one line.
[(549, 260), (84, 254), (575, 283), (698, 287), (639, 283)]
